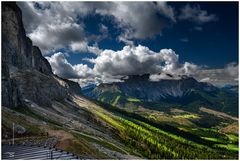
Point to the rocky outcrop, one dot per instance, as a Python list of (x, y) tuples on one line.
[(26, 74)]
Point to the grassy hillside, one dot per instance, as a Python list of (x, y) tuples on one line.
[(102, 131)]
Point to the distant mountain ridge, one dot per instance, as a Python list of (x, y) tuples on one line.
[(185, 91), (144, 89)]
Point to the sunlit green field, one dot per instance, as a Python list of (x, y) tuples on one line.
[(154, 137), (171, 134)]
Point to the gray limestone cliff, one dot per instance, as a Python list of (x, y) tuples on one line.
[(26, 74)]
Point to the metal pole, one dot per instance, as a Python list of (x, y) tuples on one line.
[(13, 135), (51, 155)]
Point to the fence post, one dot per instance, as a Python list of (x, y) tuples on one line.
[(13, 135)]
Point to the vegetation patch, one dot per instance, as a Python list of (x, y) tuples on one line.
[(133, 100), (116, 100), (233, 138), (217, 140), (187, 116), (232, 147)]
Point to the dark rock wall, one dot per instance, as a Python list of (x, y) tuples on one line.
[(39, 62), (26, 74), (17, 49)]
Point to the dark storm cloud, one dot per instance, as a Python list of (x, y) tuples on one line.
[(53, 25)]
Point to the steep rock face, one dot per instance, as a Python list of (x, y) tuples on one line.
[(26, 74), (17, 48), (9, 91), (39, 62), (13, 40)]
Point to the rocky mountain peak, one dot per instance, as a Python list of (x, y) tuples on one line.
[(141, 87), (143, 77)]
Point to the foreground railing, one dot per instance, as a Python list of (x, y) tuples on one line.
[(24, 152)]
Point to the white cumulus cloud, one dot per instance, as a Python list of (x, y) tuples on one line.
[(196, 14), (219, 77), (64, 69), (55, 36), (231, 69), (138, 60), (111, 66), (84, 47)]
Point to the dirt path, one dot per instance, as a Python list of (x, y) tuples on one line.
[(65, 138), (60, 133)]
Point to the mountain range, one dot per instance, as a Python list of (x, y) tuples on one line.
[(184, 91)]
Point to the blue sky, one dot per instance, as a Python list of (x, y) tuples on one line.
[(215, 45), (197, 34)]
